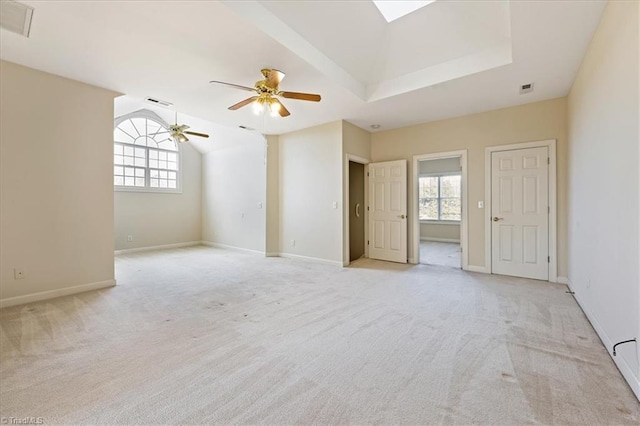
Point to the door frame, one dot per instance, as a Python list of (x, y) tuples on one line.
[(550, 144), (345, 210), (464, 223)]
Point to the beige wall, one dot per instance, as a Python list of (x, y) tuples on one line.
[(357, 142), (437, 232), (234, 194), (310, 181), (156, 219), (603, 120), (531, 122), (56, 140), (273, 196)]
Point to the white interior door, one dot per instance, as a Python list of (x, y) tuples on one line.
[(388, 211), (520, 213)]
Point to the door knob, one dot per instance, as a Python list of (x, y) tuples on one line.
[(402, 216), (496, 218)]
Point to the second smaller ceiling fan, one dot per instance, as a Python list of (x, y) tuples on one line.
[(179, 132)]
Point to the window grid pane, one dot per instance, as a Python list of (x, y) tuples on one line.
[(439, 198), (144, 155), (129, 176)]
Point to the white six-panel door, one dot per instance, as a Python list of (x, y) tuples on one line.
[(388, 211), (519, 213)]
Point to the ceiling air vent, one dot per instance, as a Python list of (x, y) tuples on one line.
[(159, 102), (15, 17), (526, 88)]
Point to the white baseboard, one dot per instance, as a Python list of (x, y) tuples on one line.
[(161, 247), (562, 280), (312, 259), (228, 247), (272, 254), (625, 369), (412, 261), (479, 269), (440, 240), (51, 294)]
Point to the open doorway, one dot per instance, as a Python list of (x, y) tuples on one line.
[(356, 211), (440, 207)]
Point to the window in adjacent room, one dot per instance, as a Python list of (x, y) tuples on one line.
[(145, 157), (440, 197)]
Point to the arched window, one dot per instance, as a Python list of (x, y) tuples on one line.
[(145, 156)]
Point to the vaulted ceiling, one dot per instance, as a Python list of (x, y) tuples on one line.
[(446, 59)]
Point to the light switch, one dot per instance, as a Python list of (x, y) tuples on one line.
[(335, 204), (260, 205), (481, 204)]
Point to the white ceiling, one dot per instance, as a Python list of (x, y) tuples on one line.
[(447, 59), (426, 47)]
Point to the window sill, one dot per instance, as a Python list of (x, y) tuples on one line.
[(440, 222), (148, 190)]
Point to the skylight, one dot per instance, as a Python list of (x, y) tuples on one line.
[(392, 10)]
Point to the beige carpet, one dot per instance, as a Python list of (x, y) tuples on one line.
[(202, 335), (440, 253)]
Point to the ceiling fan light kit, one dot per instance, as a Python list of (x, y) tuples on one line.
[(268, 90), (266, 104)]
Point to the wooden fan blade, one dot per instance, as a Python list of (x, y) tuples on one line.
[(237, 86), (202, 135), (274, 78), (301, 96), (284, 112), (243, 103)]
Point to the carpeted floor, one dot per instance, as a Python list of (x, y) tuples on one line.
[(203, 335), (440, 253)]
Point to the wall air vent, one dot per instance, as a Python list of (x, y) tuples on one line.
[(15, 17), (526, 88)]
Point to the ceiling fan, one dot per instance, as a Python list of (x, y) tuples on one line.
[(267, 91), (179, 132)]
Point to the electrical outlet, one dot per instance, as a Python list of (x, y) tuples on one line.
[(260, 205), (18, 274), (335, 204), (293, 243), (481, 204), (129, 238)]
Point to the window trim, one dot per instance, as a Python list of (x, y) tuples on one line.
[(149, 115), (440, 221)]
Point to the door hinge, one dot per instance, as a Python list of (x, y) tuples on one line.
[(367, 208), (548, 209), (367, 173), (548, 160), (367, 242), (548, 259)]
